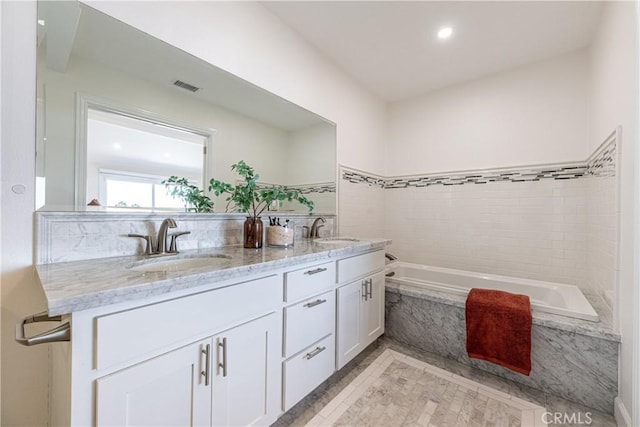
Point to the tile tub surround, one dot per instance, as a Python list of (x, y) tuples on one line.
[(79, 285), (73, 236), (555, 223), (571, 358)]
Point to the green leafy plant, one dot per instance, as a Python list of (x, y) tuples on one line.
[(193, 197), (249, 197)]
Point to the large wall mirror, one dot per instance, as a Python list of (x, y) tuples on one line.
[(118, 111)]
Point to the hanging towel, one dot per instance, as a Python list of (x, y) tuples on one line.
[(499, 328)]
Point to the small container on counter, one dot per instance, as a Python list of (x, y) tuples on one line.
[(280, 236)]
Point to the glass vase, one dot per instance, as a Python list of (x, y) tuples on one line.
[(253, 233)]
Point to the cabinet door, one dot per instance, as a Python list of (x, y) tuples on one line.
[(350, 300), (373, 310), (247, 384), (168, 390)]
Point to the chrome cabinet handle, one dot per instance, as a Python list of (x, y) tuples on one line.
[(370, 292), (223, 365), (364, 290), (316, 271), (57, 334), (314, 353), (207, 364), (314, 303)]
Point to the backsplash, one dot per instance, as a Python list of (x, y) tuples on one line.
[(73, 236)]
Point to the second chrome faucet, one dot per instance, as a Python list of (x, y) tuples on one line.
[(158, 246)]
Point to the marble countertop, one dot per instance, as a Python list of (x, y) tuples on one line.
[(80, 285)]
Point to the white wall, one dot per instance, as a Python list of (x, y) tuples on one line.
[(24, 369), (530, 115), (614, 93)]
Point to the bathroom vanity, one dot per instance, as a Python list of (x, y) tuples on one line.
[(224, 336)]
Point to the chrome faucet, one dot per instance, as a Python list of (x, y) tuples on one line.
[(161, 240), (313, 233), (159, 245)]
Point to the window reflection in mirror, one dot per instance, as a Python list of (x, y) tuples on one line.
[(87, 60), (128, 157)]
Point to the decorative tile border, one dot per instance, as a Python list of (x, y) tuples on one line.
[(321, 187), (601, 163), (318, 187)]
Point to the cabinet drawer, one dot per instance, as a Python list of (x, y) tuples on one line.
[(358, 266), (306, 370), (146, 330), (308, 321), (309, 281)]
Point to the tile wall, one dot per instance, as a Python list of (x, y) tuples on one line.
[(551, 222), (359, 204)]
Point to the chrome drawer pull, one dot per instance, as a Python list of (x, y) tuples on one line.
[(316, 271), (314, 303), (370, 292), (223, 365), (206, 373), (315, 352)]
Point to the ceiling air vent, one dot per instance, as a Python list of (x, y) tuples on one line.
[(186, 86)]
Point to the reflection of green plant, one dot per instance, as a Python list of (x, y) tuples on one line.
[(248, 197), (123, 204), (193, 197)]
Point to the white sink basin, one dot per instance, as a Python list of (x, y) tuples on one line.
[(336, 240), (181, 264)]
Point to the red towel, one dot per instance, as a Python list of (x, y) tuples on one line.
[(499, 328)]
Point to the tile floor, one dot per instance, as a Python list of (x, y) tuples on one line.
[(434, 391)]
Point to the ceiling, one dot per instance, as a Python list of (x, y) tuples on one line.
[(392, 49)]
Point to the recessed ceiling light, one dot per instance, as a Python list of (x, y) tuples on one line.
[(117, 146), (445, 33), (167, 155)]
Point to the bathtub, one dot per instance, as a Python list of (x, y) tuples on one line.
[(547, 297)]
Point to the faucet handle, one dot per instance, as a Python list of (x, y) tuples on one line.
[(148, 239), (173, 246), (305, 231)]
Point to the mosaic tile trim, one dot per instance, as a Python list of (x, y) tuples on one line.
[(602, 163), (321, 187), (399, 390)]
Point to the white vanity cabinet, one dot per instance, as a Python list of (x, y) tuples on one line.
[(225, 380), (309, 330), (167, 390), (360, 304), (210, 358)]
